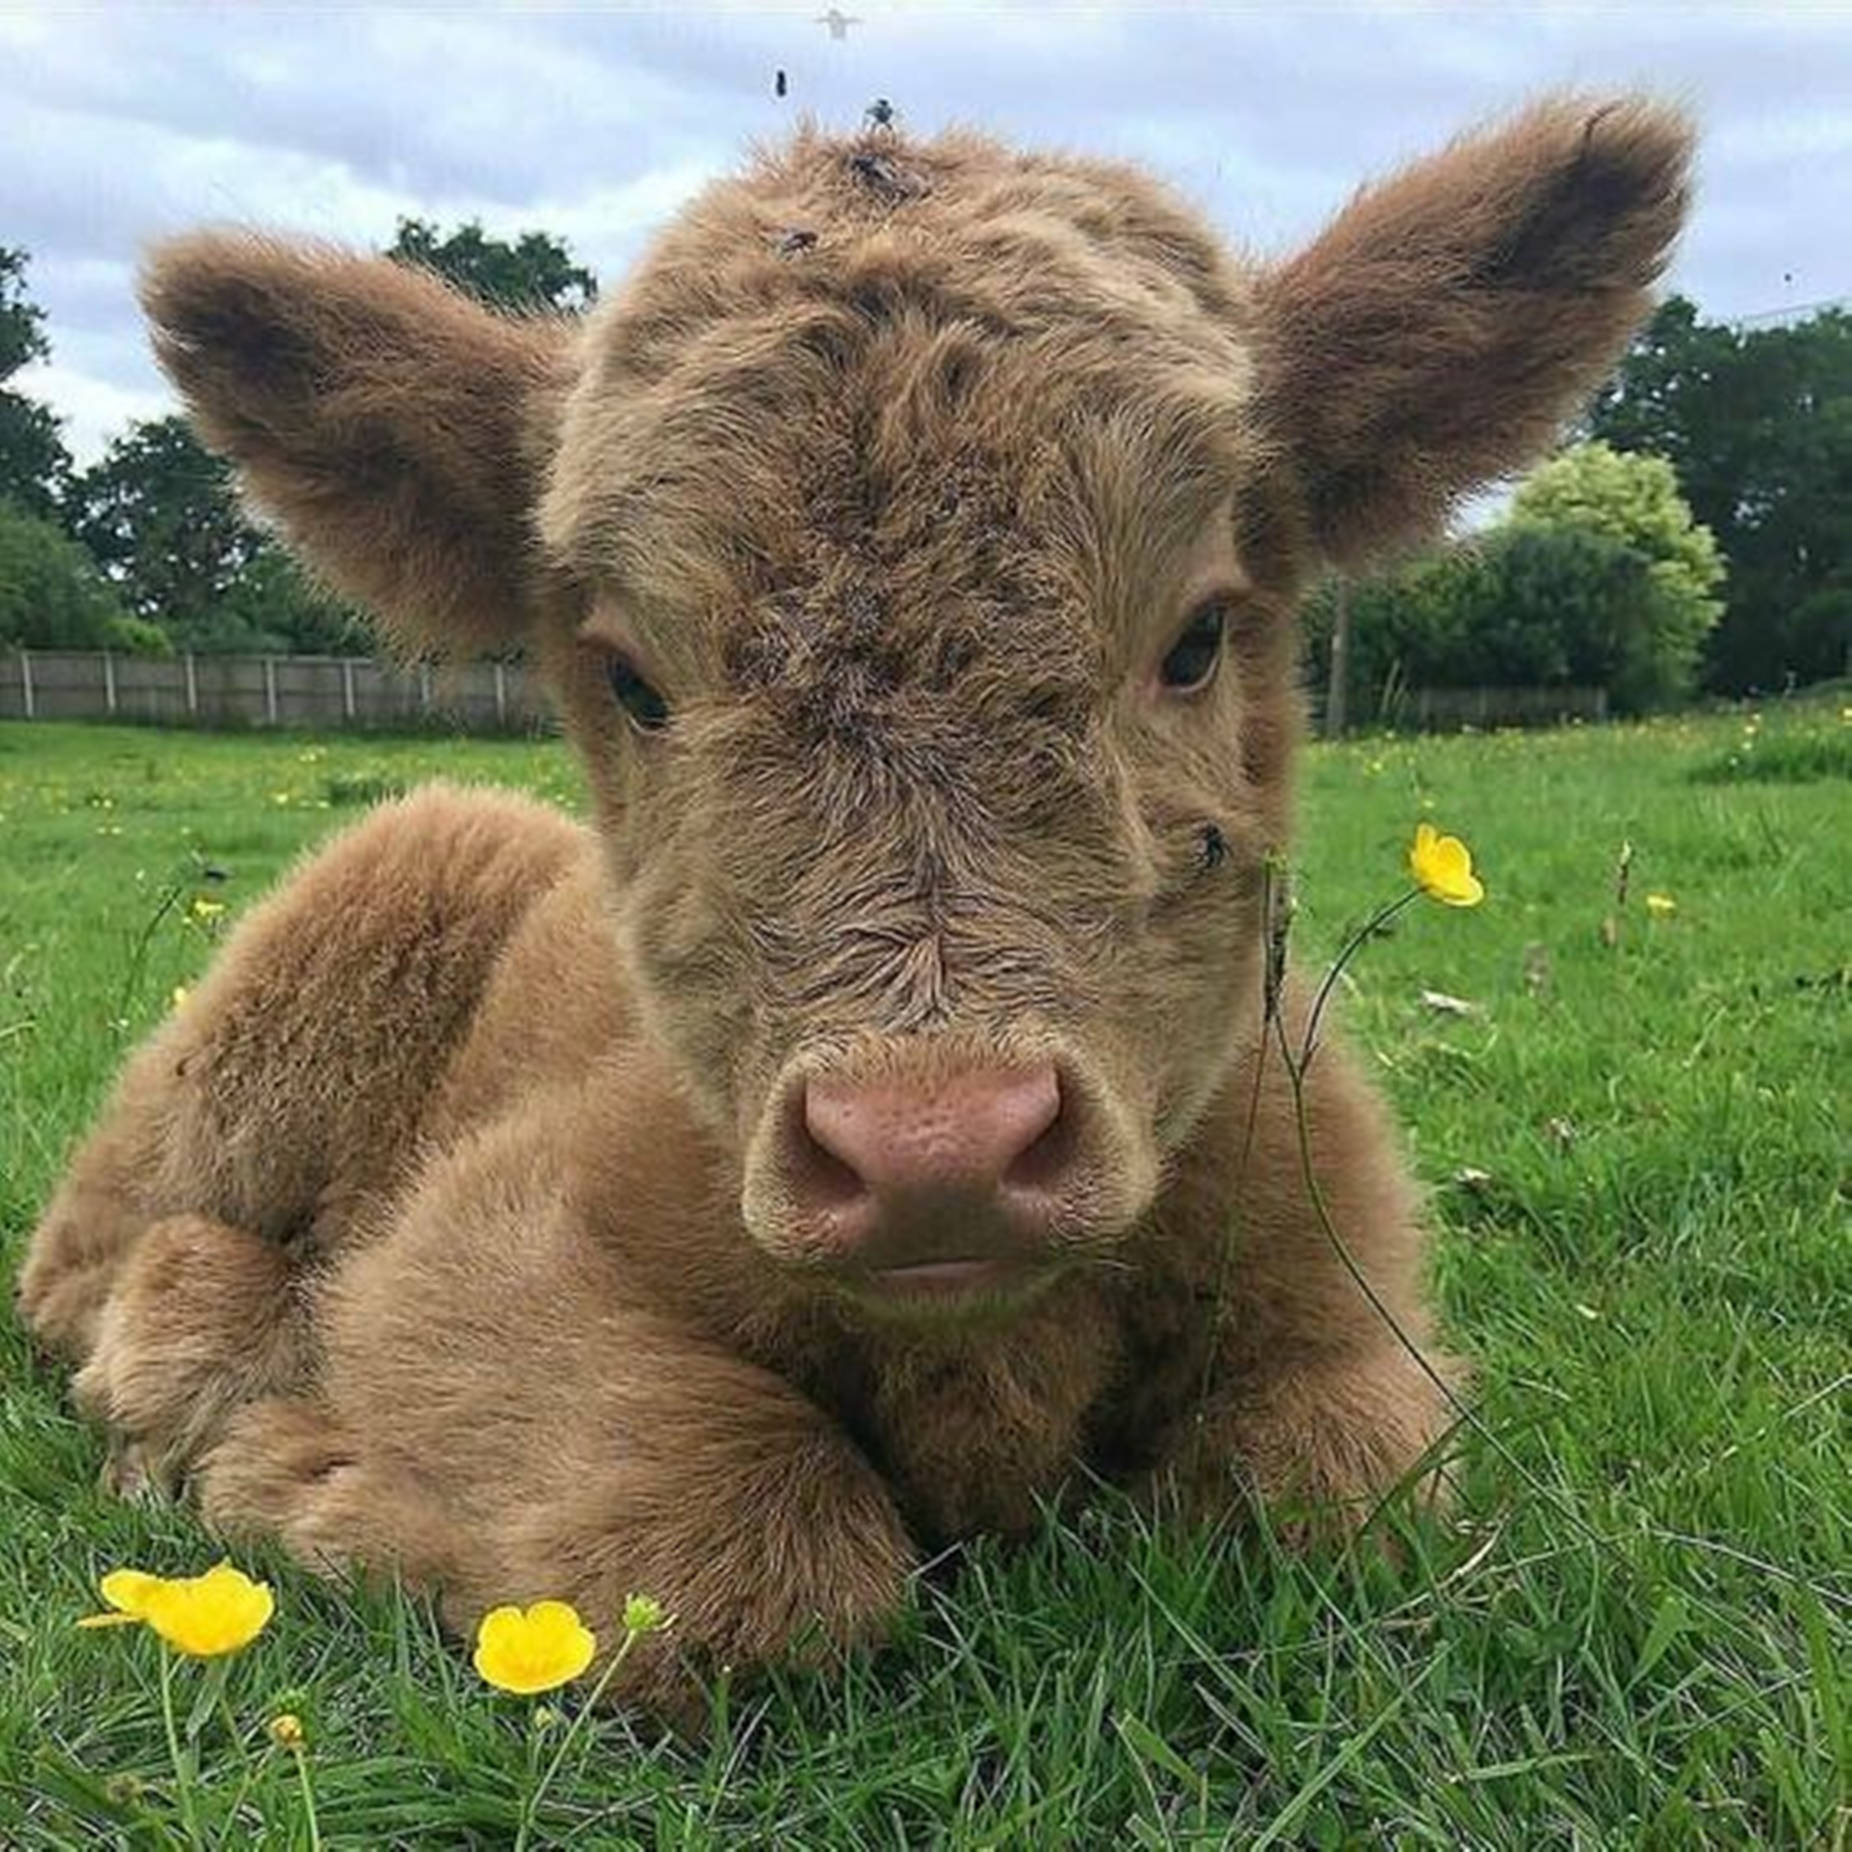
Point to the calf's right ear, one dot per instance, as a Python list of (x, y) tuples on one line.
[(397, 431), (1439, 330)]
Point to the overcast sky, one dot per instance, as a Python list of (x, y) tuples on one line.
[(120, 122)]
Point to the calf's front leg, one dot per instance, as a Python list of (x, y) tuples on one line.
[(498, 1417), (679, 1473), (200, 1319)]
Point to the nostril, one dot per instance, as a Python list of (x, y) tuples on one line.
[(1048, 1150), (822, 1171), (1022, 1117)]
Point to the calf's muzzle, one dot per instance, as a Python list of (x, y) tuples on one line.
[(928, 1180)]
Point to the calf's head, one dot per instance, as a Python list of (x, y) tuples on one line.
[(911, 548)]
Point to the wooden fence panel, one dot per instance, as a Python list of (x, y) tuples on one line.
[(1443, 710), (318, 693), (327, 693)]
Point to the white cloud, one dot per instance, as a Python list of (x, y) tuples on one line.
[(93, 409), (123, 123)]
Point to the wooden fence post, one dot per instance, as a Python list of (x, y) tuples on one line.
[(501, 696), (109, 684), (347, 688), (1337, 685), (25, 684), (270, 690), (192, 688)]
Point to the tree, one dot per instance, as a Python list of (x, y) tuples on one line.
[(535, 272), (53, 597), (1571, 606), (1758, 425), (33, 459), (161, 514), (1633, 499), (277, 606), (1526, 605), (1409, 627)]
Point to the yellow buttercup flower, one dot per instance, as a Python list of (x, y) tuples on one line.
[(1443, 868), (208, 1615), (1661, 905), (525, 1650), (286, 1730)]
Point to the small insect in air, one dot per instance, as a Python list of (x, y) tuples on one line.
[(880, 112), (779, 86), (838, 22)]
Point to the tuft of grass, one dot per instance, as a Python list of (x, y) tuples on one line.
[(1811, 745), (367, 788), (1635, 1144)]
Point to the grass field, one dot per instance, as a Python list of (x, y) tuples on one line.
[(1632, 1632)]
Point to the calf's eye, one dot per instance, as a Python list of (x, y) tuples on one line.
[(648, 711), (1194, 656)]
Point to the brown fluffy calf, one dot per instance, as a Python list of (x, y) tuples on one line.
[(845, 1143)]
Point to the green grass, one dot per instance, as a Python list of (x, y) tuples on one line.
[(1633, 1632)]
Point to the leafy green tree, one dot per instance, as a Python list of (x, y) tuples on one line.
[(536, 271), (161, 514), (278, 606), (158, 512), (33, 459), (53, 597), (1521, 606), (1758, 425), (1633, 498), (1570, 606), (1409, 627)]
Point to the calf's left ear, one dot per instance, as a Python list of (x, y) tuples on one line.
[(397, 430), (1439, 330)]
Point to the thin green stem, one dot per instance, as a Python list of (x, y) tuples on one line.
[(1465, 1415), (138, 955), (1303, 1127), (1295, 1073), (308, 1795), (532, 1804), (237, 1738), (1276, 913), (183, 1785), (1462, 1410), (1370, 927)]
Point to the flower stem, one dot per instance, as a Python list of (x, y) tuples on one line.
[(308, 1795), (237, 1741), (183, 1785), (1464, 1413), (1276, 910), (531, 1805), (1377, 920)]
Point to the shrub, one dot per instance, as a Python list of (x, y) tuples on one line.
[(1634, 499), (1520, 607), (1598, 577), (52, 596)]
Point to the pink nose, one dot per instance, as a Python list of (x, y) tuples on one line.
[(901, 1149)]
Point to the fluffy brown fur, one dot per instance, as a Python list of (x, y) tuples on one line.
[(458, 1221)]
